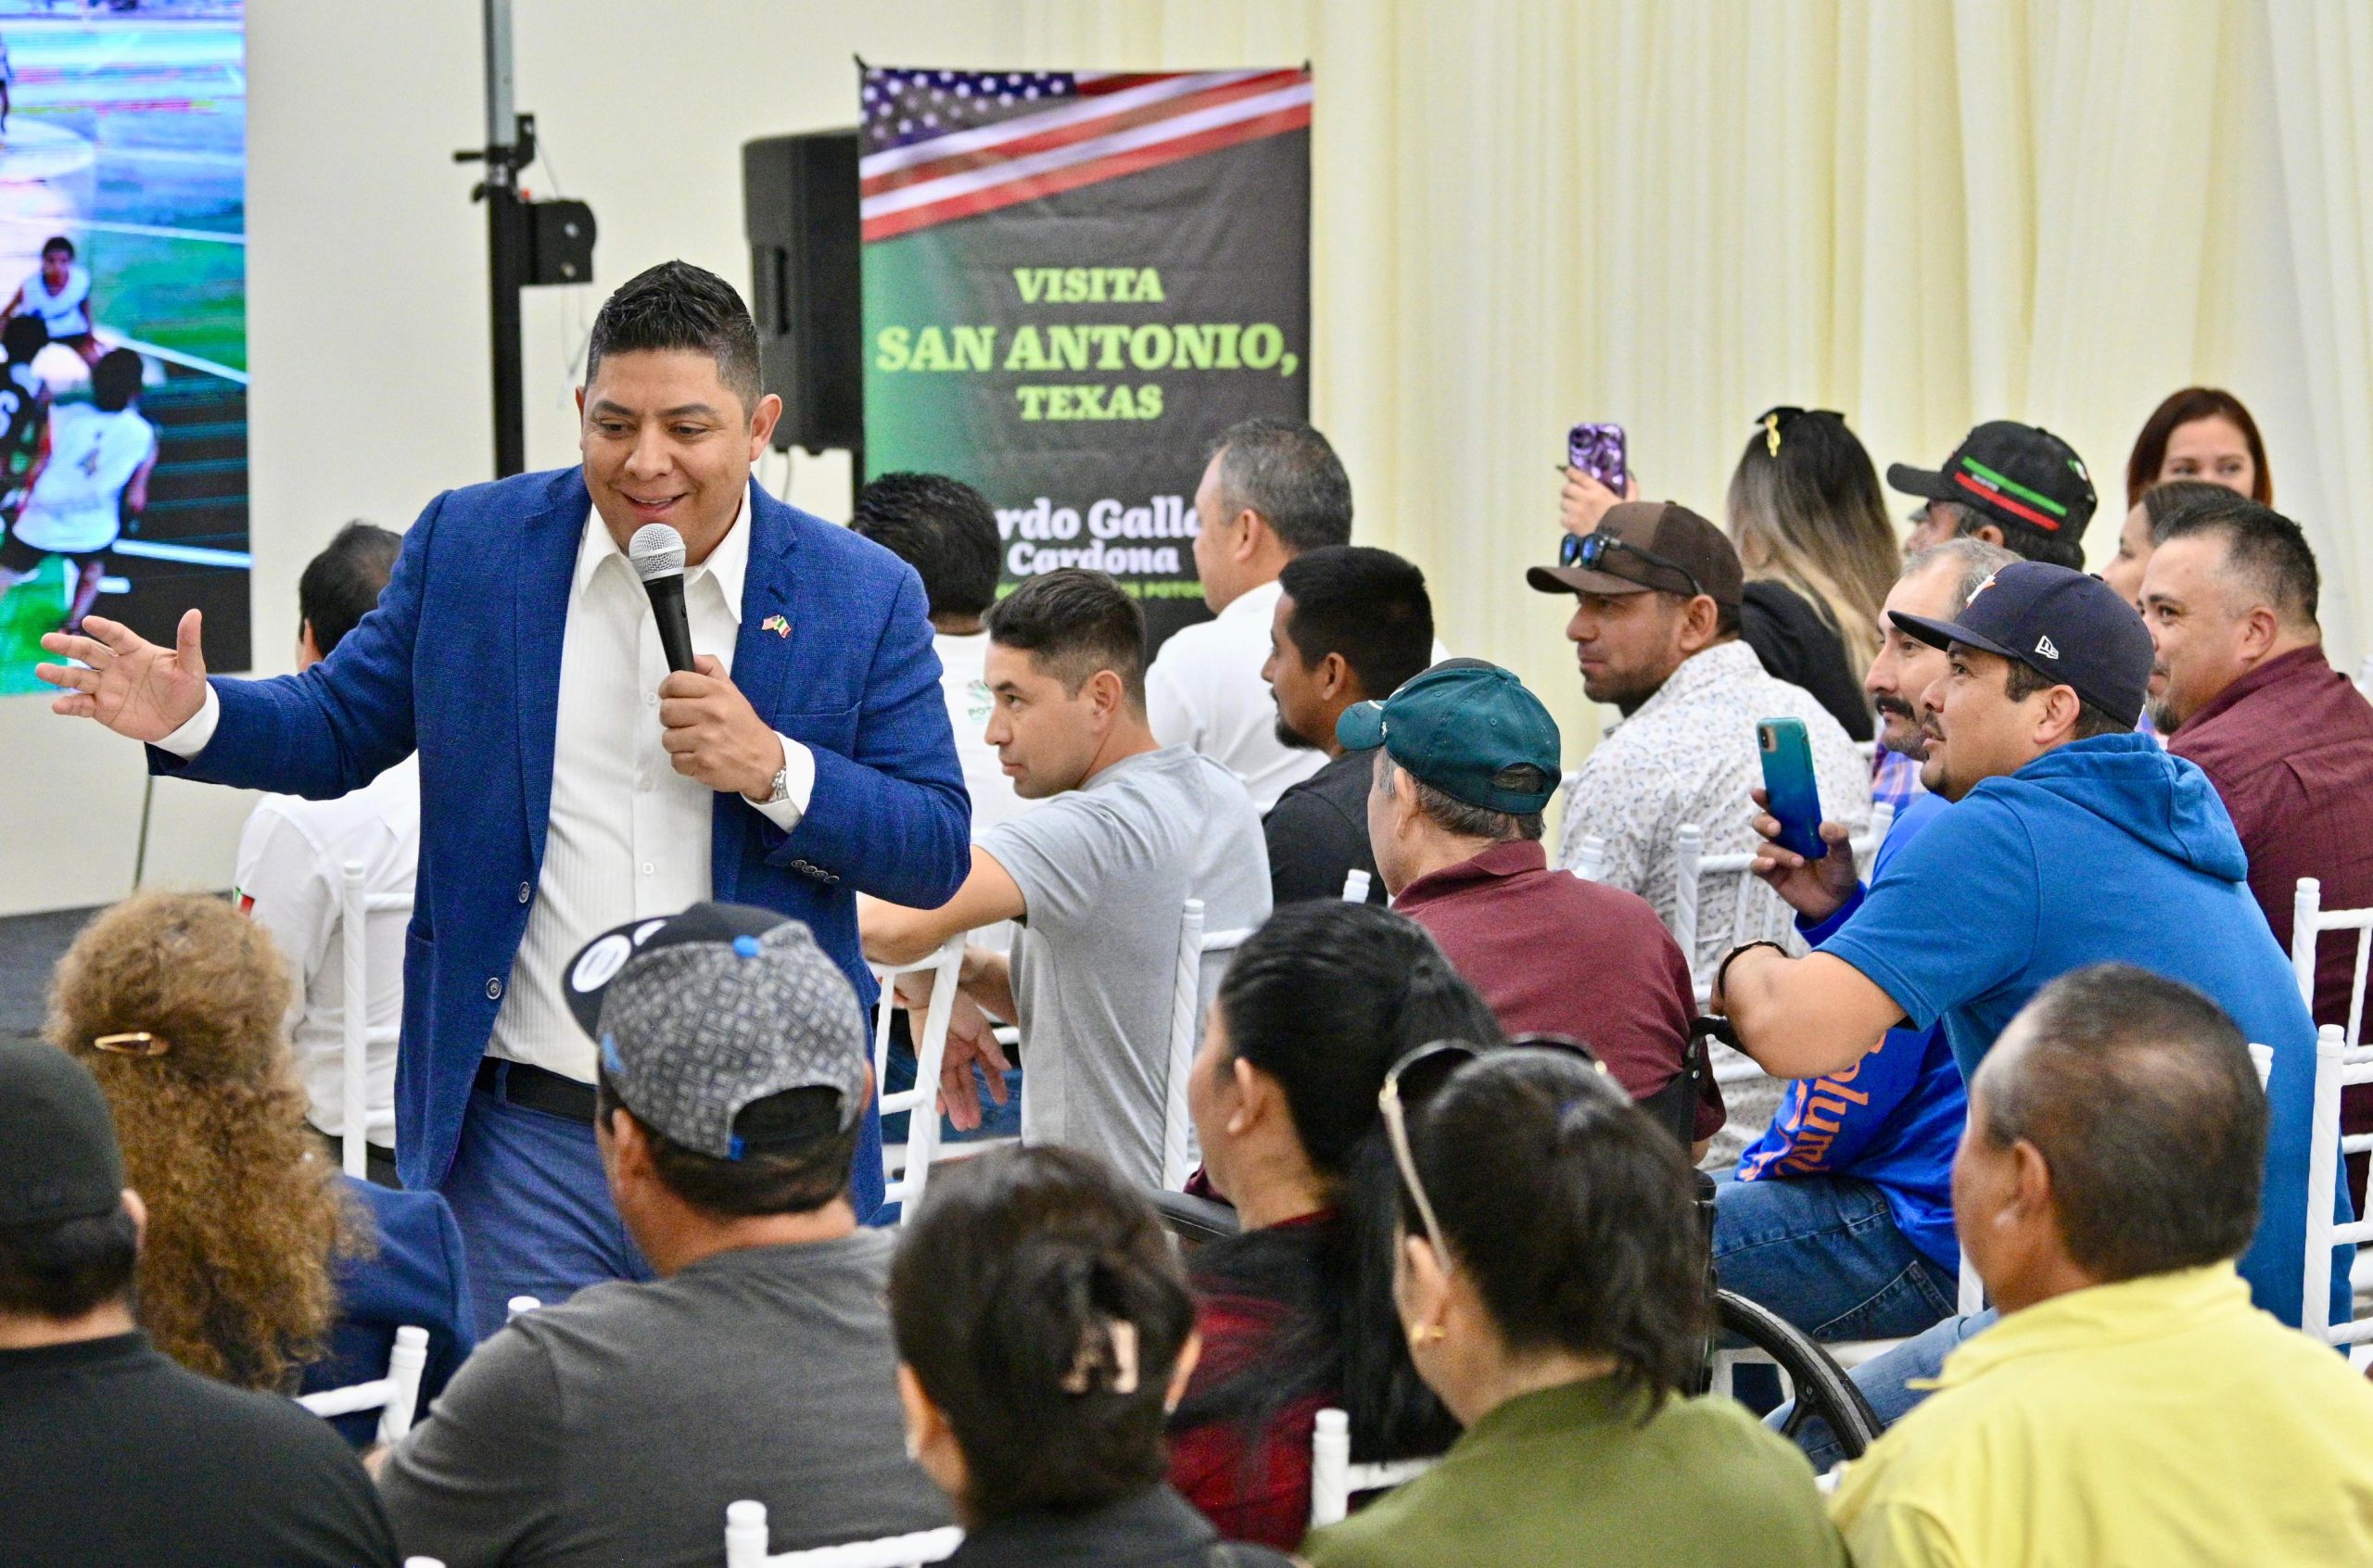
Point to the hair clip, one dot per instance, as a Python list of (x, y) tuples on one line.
[(1771, 433), (139, 1043), (1119, 1344)]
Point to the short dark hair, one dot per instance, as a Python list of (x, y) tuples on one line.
[(2057, 547), (1573, 1212), (59, 242), (1075, 622), (1453, 815), (1287, 472), (678, 307), (2022, 680), (942, 527), (797, 1155), (2140, 1095), (23, 338), (342, 584), (1368, 605), (115, 380), (61, 1269), (2265, 549), (1009, 1280)]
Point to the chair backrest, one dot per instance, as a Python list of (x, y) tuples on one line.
[(746, 1545), (1356, 884), (519, 1306), (1592, 858), (394, 1396), (1334, 1480), (1192, 985), (2310, 921), (354, 912), (920, 1102), (1756, 915), (2337, 1067)]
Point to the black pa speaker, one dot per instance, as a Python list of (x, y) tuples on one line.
[(800, 205)]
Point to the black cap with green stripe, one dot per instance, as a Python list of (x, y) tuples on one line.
[(2020, 475)]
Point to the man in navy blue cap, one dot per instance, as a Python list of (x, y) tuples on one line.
[(1465, 761), (2073, 842)]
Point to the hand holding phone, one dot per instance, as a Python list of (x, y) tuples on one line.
[(1596, 478)]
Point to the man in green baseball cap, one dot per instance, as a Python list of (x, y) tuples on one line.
[(1465, 761)]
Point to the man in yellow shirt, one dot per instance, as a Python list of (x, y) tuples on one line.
[(2131, 1407)]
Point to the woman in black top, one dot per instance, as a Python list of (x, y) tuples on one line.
[(1044, 1333), (1811, 528)]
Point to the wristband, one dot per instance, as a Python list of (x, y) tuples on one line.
[(1722, 970)]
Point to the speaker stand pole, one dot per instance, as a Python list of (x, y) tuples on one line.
[(510, 147)]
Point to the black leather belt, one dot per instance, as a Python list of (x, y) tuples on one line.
[(532, 1088)]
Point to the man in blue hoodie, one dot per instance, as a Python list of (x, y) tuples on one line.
[(2074, 841)]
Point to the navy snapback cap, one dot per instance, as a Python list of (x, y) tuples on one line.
[(1468, 728), (2070, 627)]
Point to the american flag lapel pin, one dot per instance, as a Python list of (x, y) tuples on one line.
[(775, 625)]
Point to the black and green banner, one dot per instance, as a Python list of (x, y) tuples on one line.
[(1074, 282)]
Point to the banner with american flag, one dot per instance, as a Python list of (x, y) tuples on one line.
[(1075, 281)]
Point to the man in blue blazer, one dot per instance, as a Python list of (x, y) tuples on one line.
[(569, 782)]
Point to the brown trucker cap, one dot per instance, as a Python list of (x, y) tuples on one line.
[(1640, 546)]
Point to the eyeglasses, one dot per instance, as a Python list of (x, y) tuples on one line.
[(1415, 1079), (1590, 549)]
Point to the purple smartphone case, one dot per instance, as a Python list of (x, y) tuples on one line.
[(1597, 450)]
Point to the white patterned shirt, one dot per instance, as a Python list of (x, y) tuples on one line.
[(1689, 754)]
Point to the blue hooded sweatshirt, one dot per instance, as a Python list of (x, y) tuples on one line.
[(2102, 851)]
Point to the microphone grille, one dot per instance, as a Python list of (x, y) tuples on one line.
[(656, 550)]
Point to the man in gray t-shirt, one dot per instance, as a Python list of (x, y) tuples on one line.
[(617, 1427), (1098, 878)]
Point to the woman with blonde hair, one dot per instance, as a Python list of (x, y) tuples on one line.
[(258, 1255), (1810, 523)]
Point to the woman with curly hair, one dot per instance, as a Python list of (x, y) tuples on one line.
[(261, 1264)]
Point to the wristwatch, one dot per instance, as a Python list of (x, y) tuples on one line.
[(781, 791)]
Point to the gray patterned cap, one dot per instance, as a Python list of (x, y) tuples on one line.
[(702, 1013)]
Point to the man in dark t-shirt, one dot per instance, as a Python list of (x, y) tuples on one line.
[(110, 1452), (1352, 625)]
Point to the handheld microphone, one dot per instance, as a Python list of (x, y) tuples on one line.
[(657, 552)]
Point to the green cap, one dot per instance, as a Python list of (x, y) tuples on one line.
[(1469, 730)]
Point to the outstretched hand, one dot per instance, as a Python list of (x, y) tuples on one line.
[(126, 682), (1815, 889), (972, 1037)]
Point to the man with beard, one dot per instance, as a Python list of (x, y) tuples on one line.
[(1352, 625), (1841, 1218)]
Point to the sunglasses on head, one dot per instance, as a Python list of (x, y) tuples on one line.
[(1417, 1078), (1589, 550)]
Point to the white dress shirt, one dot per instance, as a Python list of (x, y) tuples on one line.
[(291, 880), (628, 835), (1205, 692)]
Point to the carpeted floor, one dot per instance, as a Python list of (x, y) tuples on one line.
[(30, 947)]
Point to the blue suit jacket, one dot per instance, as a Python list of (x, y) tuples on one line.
[(461, 661)]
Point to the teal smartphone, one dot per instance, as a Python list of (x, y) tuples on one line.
[(1788, 784)]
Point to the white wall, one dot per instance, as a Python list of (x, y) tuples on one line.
[(366, 304)]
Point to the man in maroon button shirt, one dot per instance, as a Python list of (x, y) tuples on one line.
[(2241, 687), (1465, 761)]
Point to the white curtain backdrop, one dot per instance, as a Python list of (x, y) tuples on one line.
[(1675, 213)]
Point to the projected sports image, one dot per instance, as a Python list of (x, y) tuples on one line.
[(123, 323)]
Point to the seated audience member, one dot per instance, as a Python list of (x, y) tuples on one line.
[(1044, 1331), (2241, 686), (1841, 1218), (1097, 875), (2016, 486), (1810, 523), (1656, 629), (261, 1265), (947, 532), (291, 870), (2131, 1405), (1352, 625), (2201, 433), (2072, 840), (1550, 1279), (1296, 1314), (2138, 536), (617, 1426), (1272, 489), (110, 1452), (1466, 759)]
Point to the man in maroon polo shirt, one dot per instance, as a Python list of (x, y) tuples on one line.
[(1467, 760), (2241, 686)]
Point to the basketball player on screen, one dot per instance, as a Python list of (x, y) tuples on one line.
[(89, 480)]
